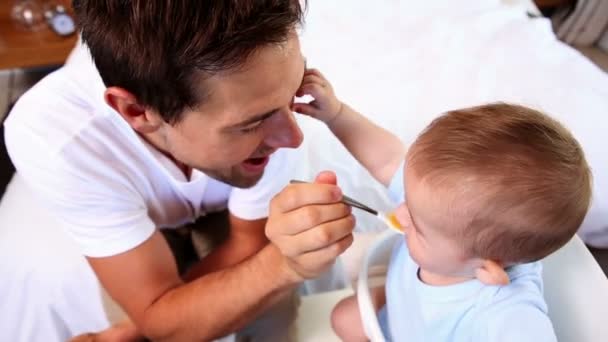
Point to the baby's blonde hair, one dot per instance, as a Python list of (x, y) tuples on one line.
[(517, 178)]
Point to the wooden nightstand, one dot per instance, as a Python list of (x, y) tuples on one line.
[(20, 48), (552, 3)]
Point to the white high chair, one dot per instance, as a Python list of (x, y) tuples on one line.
[(576, 291)]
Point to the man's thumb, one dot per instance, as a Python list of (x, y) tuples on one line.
[(326, 177)]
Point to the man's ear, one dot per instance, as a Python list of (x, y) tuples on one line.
[(492, 273), (136, 115)]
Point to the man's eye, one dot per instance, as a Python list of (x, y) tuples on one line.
[(252, 129)]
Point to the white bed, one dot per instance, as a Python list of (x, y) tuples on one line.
[(402, 63)]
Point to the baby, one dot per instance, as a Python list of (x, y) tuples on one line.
[(491, 190)]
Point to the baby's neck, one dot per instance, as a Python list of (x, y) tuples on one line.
[(435, 279)]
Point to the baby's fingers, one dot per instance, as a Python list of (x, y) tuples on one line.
[(313, 89), (313, 79), (305, 108), (314, 72)]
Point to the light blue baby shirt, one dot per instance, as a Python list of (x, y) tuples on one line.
[(468, 311)]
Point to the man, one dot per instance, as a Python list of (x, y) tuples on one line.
[(190, 105)]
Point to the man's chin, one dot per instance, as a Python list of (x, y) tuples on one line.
[(235, 178), (244, 182)]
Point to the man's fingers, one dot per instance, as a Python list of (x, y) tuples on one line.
[(309, 217), (322, 236), (326, 177), (325, 257), (295, 196)]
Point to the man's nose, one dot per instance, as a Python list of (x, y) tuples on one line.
[(283, 131)]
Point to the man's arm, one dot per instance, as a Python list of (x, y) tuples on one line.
[(379, 151), (245, 238), (145, 282), (308, 227)]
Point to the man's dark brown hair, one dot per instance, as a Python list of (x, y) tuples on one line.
[(160, 50)]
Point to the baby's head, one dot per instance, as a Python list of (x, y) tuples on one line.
[(492, 185)]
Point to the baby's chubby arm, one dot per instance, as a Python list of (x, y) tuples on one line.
[(379, 151)]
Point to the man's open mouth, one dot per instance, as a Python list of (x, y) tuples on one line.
[(255, 165), (256, 161)]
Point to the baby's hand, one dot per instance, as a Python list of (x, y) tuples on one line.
[(325, 106)]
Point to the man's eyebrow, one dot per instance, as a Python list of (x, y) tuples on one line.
[(255, 119), (264, 116)]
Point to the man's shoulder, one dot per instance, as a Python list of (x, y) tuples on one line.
[(54, 106), (52, 113)]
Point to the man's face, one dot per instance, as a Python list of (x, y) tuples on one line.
[(246, 117)]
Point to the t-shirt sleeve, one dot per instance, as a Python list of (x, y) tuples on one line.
[(521, 323), (90, 199), (254, 203), (396, 188)]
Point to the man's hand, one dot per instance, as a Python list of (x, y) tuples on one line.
[(325, 106), (310, 226), (124, 331)]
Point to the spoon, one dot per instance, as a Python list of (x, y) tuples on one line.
[(389, 219)]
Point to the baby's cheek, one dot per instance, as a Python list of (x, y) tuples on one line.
[(414, 252), (402, 215), (408, 228)]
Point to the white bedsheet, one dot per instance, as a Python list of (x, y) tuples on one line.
[(404, 62)]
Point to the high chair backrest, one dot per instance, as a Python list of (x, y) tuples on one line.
[(576, 292), (375, 263), (575, 289)]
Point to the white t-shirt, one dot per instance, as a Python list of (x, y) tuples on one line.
[(109, 188)]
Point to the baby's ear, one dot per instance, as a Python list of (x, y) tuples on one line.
[(492, 273)]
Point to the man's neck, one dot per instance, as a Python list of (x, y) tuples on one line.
[(158, 142)]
